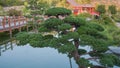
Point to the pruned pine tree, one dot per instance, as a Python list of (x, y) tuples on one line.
[(67, 35)]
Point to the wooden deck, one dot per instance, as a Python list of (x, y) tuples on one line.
[(8, 24)]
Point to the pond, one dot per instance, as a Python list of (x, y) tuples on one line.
[(13, 56)]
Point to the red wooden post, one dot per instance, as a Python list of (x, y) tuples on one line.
[(19, 20), (9, 22), (3, 23), (92, 10), (10, 31), (19, 23), (80, 9), (26, 20), (23, 20), (5, 20), (26, 25), (14, 21), (87, 9), (10, 27)]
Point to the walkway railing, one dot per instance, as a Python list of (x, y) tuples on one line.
[(11, 23)]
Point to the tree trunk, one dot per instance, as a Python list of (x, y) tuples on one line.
[(76, 41), (76, 54)]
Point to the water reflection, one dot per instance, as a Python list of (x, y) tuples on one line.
[(70, 62), (29, 57), (5, 47), (0, 50)]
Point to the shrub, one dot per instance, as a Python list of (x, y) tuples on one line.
[(116, 17), (106, 19), (36, 12), (34, 39), (85, 15), (23, 38), (13, 12)]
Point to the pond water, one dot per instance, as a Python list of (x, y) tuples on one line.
[(13, 56)]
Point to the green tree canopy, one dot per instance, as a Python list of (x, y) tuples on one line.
[(37, 7), (101, 8), (112, 9)]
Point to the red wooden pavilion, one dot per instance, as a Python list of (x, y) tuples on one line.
[(84, 8)]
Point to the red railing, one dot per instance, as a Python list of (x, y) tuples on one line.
[(9, 23)]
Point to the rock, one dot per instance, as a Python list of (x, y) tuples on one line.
[(115, 50)]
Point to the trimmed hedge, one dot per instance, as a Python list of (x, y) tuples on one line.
[(58, 11)]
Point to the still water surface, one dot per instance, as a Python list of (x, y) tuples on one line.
[(29, 57)]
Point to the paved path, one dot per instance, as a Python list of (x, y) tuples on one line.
[(118, 24)]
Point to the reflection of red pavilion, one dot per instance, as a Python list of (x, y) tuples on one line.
[(84, 8)]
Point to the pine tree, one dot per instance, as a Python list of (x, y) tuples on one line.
[(66, 35)]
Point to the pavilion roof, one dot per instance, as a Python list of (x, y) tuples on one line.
[(73, 3)]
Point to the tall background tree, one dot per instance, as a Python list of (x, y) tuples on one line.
[(39, 6), (101, 9), (112, 9)]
